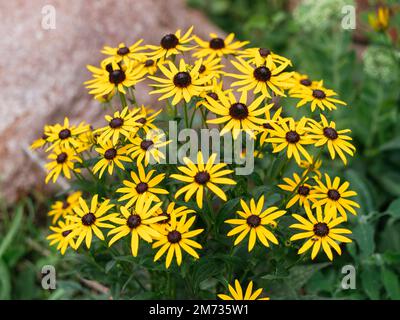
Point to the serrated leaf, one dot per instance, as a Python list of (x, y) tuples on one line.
[(391, 283), (370, 282)]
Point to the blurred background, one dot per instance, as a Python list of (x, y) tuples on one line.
[(361, 64)]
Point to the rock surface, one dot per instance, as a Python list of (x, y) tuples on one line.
[(42, 70)]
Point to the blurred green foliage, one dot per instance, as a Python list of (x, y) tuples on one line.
[(312, 37)]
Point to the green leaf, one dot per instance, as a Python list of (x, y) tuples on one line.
[(393, 144), (370, 282), (299, 275), (391, 282), (359, 184), (5, 282), (394, 208), (12, 231), (363, 233)]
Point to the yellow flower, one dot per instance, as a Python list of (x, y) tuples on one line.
[(217, 47), (88, 221), (252, 221), (266, 129), (61, 236), (146, 119), (302, 189), (65, 136), (64, 208), (210, 67), (237, 293), (147, 149), (320, 231), (177, 236), (168, 213), (38, 143), (149, 65), (324, 132), (142, 186), (201, 176), (64, 160), (334, 195), (138, 222), (171, 44), (291, 135), (237, 115), (261, 78), (114, 78), (301, 82), (124, 53), (311, 166), (111, 155), (121, 123), (214, 91), (380, 21), (263, 56), (319, 97), (183, 83)]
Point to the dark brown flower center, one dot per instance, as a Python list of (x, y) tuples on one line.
[(164, 214), (88, 219), (146, 144), (319, 94), (321, 229), (44, 136), (141, 120), (330, 133), (305, 82), (123, 51), (238, 111), (262, 74), (213, 95), (116, 123), (264, 52), (149, 63), (66, 233), (202, 177), (174, 236), (267, 126), (217, 43), (202, 68), (333, 194), (142, 187), (133, 221), (182, 79), (65, 204), (253, 221), (116, 76), (292, 137), (169, 41), (64, 134), (62, 157), (110, 154), (303, 190), (109, 67)]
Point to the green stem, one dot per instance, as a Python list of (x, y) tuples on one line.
[(123, 99), (185, 109)]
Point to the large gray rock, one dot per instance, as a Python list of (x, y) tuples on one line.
[(42, 70)]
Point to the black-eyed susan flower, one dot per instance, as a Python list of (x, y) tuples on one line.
[(266, 129), (138, 222), (301, 82), (143, 185), (111, 156), (252, 221), (325, 133), (380, 20), (89, 220), (148, 149), (40, 142), (263, 56), (146, 118), (201, 176), (61, 236), (122, 123), (211, 68), (114, 78), (261, 78), (63, 160), (183, 83), (64, 208), (311, 166), (237, 293), (320, 232), (149, 65), (214, 91), (217, 46), (171, 211), (291, 135), (172, 44), (177, 237), (124, 53), (299, 188), (65, 135), (334, 195), (238, 115), (319, 97)]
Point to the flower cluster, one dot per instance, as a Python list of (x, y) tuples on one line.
[(138, 193)]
